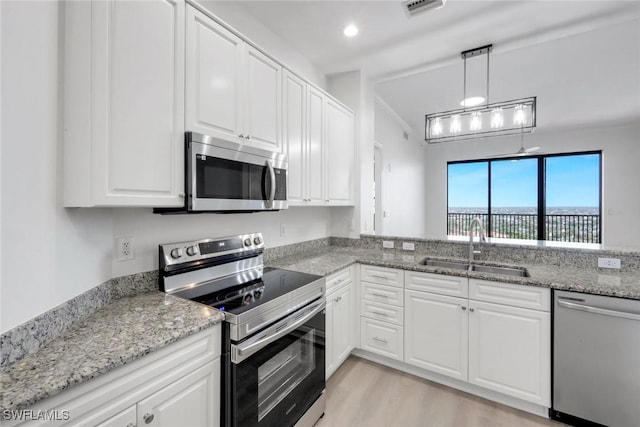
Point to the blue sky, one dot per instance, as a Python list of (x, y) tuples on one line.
[(571, 181)]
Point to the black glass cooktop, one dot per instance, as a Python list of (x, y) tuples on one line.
[(238, 299)]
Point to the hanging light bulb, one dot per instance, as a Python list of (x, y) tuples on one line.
[(476, 122), (497, 118), (437, 127), (519, 116), (456, 125)]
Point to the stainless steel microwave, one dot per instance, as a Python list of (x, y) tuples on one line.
[(222, 176)]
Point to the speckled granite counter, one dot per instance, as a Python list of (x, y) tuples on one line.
[(330, 259), (117, 334)]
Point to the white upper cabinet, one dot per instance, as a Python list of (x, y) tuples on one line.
[(304, 108), (124, 119), (340, 153), (214, 77), (233, 91), (294, 97)]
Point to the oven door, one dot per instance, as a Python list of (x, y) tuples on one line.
[(279, 373), (223, 176)]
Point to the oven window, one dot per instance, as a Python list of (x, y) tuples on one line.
[(278, 376)]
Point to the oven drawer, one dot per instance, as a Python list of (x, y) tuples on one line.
[(338, 278), (382, 275), (381, 294), (383, 312), (381, 338)]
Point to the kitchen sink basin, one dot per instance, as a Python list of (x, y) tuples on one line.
[(463, 265), (445, 264)]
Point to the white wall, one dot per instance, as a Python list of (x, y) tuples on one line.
[(403, 175), (235, 14), (149, 230), (356, 91), (49, 254), (620, 174)]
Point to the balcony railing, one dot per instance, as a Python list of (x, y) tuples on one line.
[(581, 228)]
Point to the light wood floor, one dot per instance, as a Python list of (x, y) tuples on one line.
[(362, 393)]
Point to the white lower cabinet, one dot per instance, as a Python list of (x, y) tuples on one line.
[(436, 330), (493, 339), (382, 311), (509, 351), (178, 385), (340, 320), (187, 402)]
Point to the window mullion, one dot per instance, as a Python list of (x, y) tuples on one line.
[(541, 199)]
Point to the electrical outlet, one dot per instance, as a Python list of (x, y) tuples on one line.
[(609, 263), (388, 244), (283, 230), (125, 248), (408, 246)]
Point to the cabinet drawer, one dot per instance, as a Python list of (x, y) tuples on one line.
[(338, 278), (381, 294), (523, 296), (437, 283), (382, 338), (381, 275), (383, 312)]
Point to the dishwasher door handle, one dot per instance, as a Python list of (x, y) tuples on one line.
[(597, 310)]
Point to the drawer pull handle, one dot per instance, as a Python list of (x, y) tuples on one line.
[(472, 310), (379, 276), (463, 307), (380, 340), (380, 313), (379, 295), (147, 418)]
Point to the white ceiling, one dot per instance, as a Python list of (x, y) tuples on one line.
[(581, 58)]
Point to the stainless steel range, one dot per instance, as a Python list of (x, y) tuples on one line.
[(273, 352)]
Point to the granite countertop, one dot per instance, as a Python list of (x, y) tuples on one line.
[(117, 334), (330, 259)]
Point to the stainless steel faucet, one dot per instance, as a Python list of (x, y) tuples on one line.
[(482, 235)]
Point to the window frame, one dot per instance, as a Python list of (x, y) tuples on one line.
[(542, 207)]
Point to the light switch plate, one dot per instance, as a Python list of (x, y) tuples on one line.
[(408, 246), (387, 244)]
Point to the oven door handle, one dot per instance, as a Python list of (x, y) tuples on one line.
[(272, 193), (253, 345)]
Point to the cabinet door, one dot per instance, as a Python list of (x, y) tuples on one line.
[(340, 147), (294, 99), (126, 418), (137, 74), (330, 362), (262, 100), (214, 74), (193, 400), (510, 351), (315, 153), (436, 333), (343, 323)]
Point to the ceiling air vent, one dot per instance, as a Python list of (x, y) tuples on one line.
[(413, 7)]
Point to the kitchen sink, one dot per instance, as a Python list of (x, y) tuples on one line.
[(463, 265), (455, 265)]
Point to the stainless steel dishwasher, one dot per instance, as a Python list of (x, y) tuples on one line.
[(596, 360)]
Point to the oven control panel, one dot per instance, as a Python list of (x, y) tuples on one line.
[(184, 252)]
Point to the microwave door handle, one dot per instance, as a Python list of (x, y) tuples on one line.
[(272, 175)]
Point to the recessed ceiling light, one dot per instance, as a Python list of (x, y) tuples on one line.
[(350, 30), (472, 101)]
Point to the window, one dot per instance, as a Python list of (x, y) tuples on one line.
[(554, 197)]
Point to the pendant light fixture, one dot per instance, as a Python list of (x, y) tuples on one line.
[(478, 118)]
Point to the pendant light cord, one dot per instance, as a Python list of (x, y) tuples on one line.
[(464, 85)]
